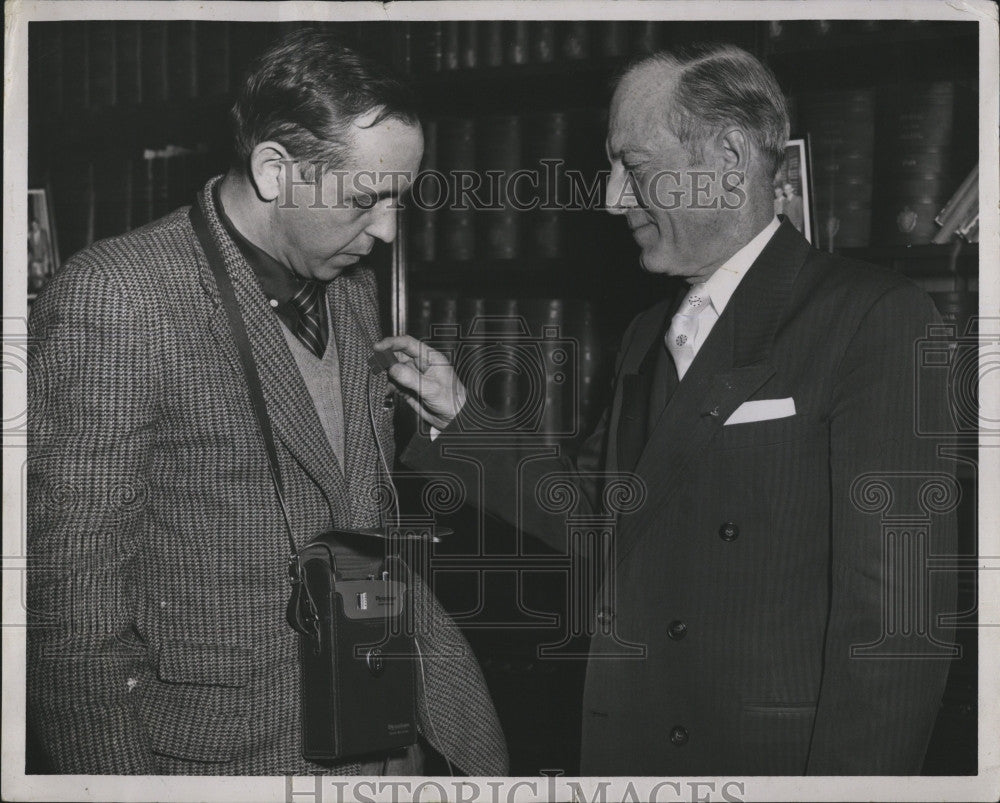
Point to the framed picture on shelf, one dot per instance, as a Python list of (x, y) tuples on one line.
[(43, 249), (793, 189)]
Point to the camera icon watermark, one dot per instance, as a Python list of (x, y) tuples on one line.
[(968, 362), (517, 382)]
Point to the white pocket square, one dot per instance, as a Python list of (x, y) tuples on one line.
[(762, 410)]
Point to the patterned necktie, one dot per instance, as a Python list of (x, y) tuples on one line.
[(684, 327), (309, 328)]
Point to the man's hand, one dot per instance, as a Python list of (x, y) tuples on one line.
[(425, 379)]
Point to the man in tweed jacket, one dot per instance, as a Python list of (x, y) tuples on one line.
[(158, 586)]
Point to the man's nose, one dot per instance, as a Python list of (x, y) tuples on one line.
[(617, 200), (382, 225)]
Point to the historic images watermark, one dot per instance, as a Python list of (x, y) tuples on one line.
[(551, 787), (550, 187)]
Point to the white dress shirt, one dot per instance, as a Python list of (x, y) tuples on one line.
[(721, 285)]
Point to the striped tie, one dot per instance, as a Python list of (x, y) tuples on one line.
[(309, 328)]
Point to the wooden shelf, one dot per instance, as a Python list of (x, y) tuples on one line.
[(919, 260)]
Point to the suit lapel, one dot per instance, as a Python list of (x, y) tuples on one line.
[(628, 423), (732, 364), (293, 415)]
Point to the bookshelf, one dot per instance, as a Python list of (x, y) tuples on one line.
[(103, 95)]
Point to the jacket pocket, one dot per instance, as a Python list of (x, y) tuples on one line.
[(198, 709), (775, 737), (767, 433)]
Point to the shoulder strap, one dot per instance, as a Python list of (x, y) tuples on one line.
[(250, 374)]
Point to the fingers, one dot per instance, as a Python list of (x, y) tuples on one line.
[(406, 376), (409, 349)]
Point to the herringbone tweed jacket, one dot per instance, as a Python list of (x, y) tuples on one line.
[(158, 586)]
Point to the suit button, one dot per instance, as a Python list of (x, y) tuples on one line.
[(679, 735), (677, 630), (729, 531)]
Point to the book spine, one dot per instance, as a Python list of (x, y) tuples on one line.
[(45, 75), (103, 64), (614, 39), (76, 65), (423, 221), (450, 47), (112, 196), (547, 145), (575, 43), (213, 58), (841, 128), (129, 63), (457, 151), (428, 46), (181, 60), (915, 170), (153, 39), (518, 42), (501, 388), (468, 45), (542, 42), (160, 184), (491, 43), (582, 328), (420, 316), (499, 146), (557, 369), (647, 37)]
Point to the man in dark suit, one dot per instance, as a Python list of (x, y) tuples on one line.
[(156, 541), (765, 410)]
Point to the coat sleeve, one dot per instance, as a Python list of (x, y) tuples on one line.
[(510, 473), (877, 704), (91, 397)]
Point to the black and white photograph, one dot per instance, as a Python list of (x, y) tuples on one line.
[(792, 195), (501, 401), (43, 257)]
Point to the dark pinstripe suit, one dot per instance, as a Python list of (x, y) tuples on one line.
[(761, 681), (156, 544)]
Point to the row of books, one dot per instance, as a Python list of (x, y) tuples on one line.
[(452, 45), (883, 168), (801, 34), (883, 162), (501, 161), (82, 64), (529, 365), (102, 63), (111, 195)]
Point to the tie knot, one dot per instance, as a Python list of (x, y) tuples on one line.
[(695, 301)]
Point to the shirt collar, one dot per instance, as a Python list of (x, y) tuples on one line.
[(721, 285), (276, 281)]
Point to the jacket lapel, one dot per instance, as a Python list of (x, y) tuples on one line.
[(637, 387), (732, 364), (293, 415), (356, 327)]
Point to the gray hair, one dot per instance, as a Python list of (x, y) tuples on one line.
[(720, 85)]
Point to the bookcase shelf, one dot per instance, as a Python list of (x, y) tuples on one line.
[(920, 260)]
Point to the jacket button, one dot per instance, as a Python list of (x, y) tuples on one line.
[(729, 531), (677, 630), (679, 735)]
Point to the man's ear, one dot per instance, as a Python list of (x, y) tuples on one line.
[(734, 148), (270, 167)]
